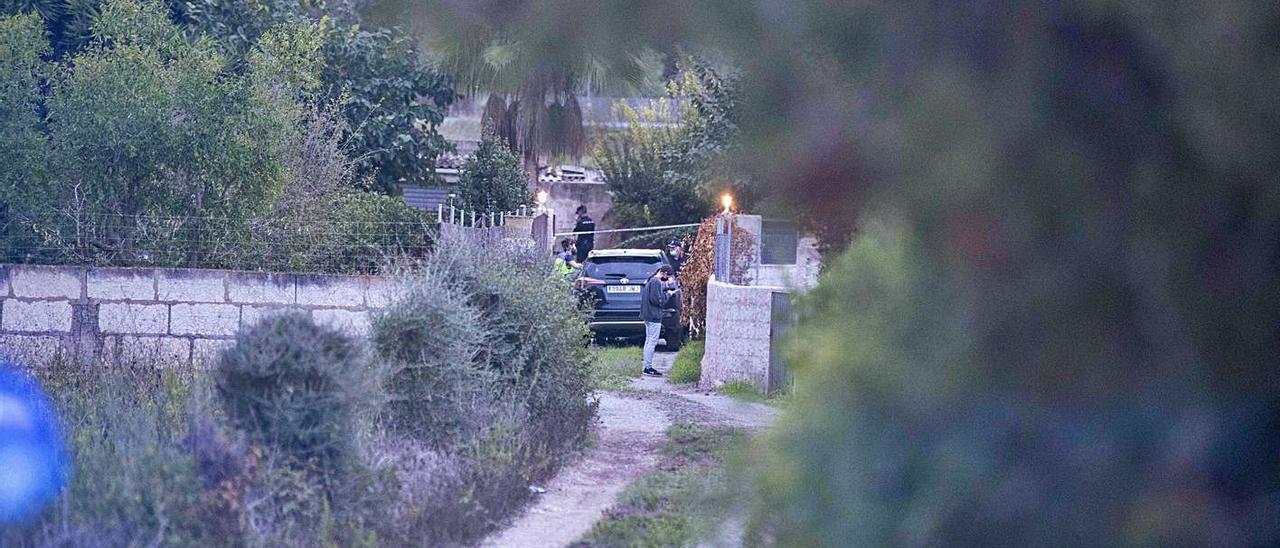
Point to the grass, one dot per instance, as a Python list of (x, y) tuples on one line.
[(746, 391), (668, 507), (742, 390), (613, 367), (688, 366)]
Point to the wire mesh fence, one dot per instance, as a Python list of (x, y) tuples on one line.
[(295, 244)]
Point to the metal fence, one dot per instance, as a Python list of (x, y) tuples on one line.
[(262, 244), (449, 214)]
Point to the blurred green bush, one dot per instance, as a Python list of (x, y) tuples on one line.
[(299, 387), (434, 340), (131, 479), (490, 369)]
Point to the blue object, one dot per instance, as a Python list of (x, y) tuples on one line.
[(33, 459)]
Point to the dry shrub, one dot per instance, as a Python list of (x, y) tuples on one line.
[(300, 388), (702, 265), (490, 388)]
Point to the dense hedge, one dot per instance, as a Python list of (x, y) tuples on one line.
[(145, 148)]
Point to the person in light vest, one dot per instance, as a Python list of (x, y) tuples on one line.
[(564, 258)]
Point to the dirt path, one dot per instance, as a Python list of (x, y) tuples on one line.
[(632, 431), (630, 434)]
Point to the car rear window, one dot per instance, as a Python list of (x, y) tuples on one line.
[(612, 268)]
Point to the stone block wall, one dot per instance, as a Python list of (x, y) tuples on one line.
[(167, 317), (738, 336)]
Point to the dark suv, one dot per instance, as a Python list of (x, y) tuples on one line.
[(612, 278)]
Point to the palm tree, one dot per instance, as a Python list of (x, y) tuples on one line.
[(532, 86), (67, 21)]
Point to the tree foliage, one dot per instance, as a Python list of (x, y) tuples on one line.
[(676, 157), (23, 147), (67, 21), (143, 122), (146, 148), (532, 82), (1075, 338), (493, 179), (392, 100), (393, 103)]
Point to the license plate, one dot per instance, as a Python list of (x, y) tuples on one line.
[(622, 289)]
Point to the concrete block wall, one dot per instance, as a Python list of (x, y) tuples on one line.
[(167, 317), (802, 275), (738, 334)]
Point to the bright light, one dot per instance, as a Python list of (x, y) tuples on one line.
[(727, 200), (542, 197)]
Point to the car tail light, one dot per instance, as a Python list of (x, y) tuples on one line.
[(584, 282)]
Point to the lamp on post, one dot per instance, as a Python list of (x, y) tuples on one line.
[(724, 239), (542, 198)]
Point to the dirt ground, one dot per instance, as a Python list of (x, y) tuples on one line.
[(631, 432)]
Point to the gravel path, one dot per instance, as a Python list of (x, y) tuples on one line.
[(631, 433)]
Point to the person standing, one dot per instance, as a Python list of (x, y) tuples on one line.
[(585, 241), (653, 303), (678, 257), (564, 258)]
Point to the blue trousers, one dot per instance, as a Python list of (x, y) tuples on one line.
[(652, 330)]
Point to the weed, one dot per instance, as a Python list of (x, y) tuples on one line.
[(665, 508), (742, 390), (613, 367), (688, 366)]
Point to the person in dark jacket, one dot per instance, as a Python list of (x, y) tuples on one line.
[(675, 250), (585, 241), (653, 303)]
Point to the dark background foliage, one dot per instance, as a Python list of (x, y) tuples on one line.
[(493, 180), (392, 99), (1082, 297)]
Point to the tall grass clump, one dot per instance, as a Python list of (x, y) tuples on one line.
[(299, 387), (132, 482), (436, 343), (489, 387), (688, 365)]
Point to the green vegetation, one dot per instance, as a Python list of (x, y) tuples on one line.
[(614, 367), (1080, 263), (532, 102), (132, 479), (670, 167), (146, 148), (742, 390), (493, 179), (432, 336), (489, 366), (476, 388), (688, 366), (391, 101), (668, 507), (299, 388)]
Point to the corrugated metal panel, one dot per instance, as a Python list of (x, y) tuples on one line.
[(778, 242), (426, 197)]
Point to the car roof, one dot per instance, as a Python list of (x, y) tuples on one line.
[(625, 253)]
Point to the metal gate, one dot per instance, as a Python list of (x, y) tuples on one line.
[(780, 319)]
